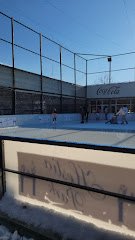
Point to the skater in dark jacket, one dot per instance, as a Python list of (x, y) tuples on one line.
[(82, 112)]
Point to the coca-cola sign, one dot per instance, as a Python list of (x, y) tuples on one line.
[(114, 90)]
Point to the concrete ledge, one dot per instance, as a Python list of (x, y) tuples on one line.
[(86, 230)]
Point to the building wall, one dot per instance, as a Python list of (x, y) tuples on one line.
[(118, 90), (113, 96)]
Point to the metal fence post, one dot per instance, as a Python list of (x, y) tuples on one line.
[(61, 102), (86, 87), (75, 108), (2, 173), (41, 76), (13, 67)]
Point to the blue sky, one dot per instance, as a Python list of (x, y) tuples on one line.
[(84, 26)]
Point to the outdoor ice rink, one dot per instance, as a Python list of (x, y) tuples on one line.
[(92, 132)]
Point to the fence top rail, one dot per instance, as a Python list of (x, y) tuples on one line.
[(70, 144), (5, 15)]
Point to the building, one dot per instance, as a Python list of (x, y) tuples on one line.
[(111, 95)]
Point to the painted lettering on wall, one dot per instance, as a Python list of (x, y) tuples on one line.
[(106, 91)]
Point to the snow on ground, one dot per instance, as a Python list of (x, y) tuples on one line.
[(66, 225), (6, 235)]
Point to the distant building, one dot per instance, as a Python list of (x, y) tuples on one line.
[(111, 95)]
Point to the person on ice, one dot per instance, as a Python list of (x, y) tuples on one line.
[(54, 116), (113, 120), (82, 112), (123, 113)]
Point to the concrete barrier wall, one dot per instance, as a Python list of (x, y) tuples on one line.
[(104, 170)]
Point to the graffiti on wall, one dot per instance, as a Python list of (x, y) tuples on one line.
[(77, 200)]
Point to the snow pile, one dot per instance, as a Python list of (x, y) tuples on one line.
[(6, 235), (69, 227)]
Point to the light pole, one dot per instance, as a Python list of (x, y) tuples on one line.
[(109, 60)]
